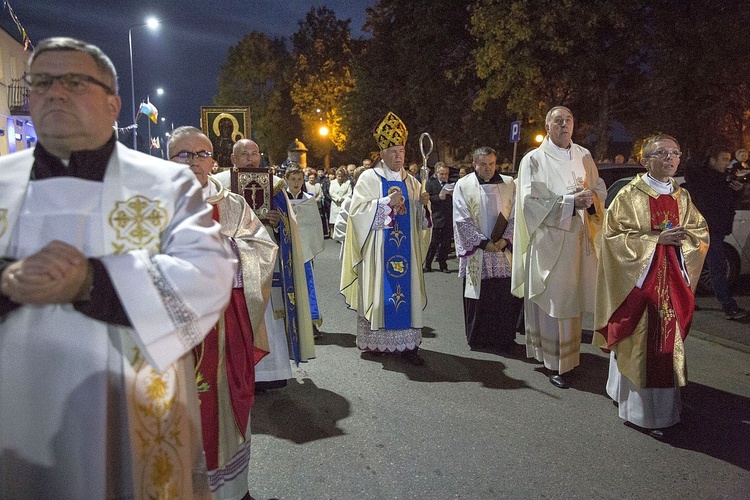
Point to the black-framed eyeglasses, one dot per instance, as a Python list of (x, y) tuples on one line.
[(75, 83), (187, 156), (662, 154)]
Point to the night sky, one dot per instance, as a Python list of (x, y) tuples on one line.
[(184, 55)]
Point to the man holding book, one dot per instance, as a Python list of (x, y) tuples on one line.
[(483, 231)]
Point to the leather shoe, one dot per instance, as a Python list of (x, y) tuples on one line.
[(445, 270), (558, 381), (656, 434), (427, 269)]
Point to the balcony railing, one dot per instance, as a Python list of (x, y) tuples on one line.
[(18, 98)]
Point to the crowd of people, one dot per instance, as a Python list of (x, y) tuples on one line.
[(152, 303)]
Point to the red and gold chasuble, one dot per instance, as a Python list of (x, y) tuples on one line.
[(666, 298), (239, 360)]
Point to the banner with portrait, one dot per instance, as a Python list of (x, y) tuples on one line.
[(224, 126)]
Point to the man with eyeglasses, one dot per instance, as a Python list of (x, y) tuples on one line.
[(559, 208), (653, 245), (288, 316), (112, 271), (715, 194), (226, 358)]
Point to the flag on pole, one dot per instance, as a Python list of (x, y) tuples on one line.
[(149, 110), (21, 29)]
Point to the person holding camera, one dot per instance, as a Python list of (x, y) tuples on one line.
[(714, 190)]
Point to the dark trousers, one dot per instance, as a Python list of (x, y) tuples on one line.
[(491, 320), (440, 245), (324, 220), (716, 260)]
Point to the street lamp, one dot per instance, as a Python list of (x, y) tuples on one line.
[(323, 131), (539, 138), (152, 23)]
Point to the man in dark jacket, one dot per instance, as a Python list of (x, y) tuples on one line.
[(714, 192), (442, 218)]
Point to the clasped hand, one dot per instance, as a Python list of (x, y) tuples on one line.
[(583, 199), (672, 236), (55, 274)]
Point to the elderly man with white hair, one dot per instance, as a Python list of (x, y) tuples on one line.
[(559, 208)]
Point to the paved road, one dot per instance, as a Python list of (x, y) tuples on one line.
[(479, 426)]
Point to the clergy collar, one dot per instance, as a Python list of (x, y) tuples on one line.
[(657, 185), (390, 174), (90, 164), (556, 151), (495, 179), (298, 197), (209, 190)]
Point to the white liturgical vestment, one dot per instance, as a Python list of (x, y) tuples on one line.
[(96, 410)]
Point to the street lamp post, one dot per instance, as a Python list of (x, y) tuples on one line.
[(323, 131), (152, 23)]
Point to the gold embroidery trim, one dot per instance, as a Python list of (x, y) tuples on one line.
[(137, 221)]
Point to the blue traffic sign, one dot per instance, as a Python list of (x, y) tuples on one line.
[(515, 131)]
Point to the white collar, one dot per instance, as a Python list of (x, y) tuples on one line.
[(658, 186), (566, 152), (209, 190), (390, 175)]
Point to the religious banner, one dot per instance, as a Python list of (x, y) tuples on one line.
[(256, 186), (224, 126)]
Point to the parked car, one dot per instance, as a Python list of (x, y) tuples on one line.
[(736, 245), (611, 172)]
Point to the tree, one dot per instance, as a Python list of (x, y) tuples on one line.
[(415, 64), (586, 54), (322, 77), (256, 74), (698, 69)]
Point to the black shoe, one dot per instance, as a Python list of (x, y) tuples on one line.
[(657, 434), (558, 381), (372, 355), (427, 269), (736, 313), (445, 270), (412, 357)]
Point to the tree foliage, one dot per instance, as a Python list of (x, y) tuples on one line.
[(256, 74), (536, 54), (416, 64), (322, 77), (698, 72), (463, 69), (664, 65)]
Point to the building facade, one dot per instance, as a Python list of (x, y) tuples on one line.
[(16, 130)]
